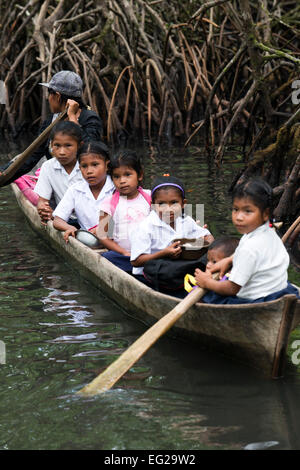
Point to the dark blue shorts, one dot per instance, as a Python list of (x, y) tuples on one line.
[(123, 262), (213, 298)]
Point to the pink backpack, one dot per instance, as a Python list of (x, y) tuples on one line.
[(116, 196), (26, 184), (115, 200)]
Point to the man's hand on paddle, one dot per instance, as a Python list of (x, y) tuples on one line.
[(73, 111)]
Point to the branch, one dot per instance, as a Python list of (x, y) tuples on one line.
[(205, 7), (233, 60), (289, 187), (276, 52), (243, 103), (55, 15)]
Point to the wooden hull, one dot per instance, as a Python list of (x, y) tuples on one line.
[(255, 334)]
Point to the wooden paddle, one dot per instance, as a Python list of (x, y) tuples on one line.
[(114, 372), (18, 161)]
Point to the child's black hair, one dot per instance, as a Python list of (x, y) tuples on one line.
[(98, 148), (258, 190), (68, 128), (126, 158), (227, 244), (167, 182)]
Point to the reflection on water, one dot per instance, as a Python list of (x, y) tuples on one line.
[(60, 333)]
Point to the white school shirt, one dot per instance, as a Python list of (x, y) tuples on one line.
[(54, 180), (154, 234), (79, 198), (127, 216), (260, 263)]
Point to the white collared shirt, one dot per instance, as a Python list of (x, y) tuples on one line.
[(260, 264), (54, 180), (79, 198), (154, 234)]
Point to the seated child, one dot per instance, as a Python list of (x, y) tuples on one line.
[(60, 172), (85, 197), (128, 206), (260, 262), (166, 222)]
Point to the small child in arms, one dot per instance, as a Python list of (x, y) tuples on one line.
[(219, 249)]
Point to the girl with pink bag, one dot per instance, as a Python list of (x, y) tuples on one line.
[(126, 208)]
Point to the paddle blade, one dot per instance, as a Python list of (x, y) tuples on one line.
[(117, 369)]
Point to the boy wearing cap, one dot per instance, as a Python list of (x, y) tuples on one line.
[(64, 88)]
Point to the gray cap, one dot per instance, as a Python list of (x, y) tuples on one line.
[(66, 82)]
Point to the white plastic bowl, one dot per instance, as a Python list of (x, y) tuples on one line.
[(87, 238)]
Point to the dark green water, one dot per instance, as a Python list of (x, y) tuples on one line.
[(60, 332)]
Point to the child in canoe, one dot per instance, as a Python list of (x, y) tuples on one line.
[(127, 207), (260, 262), (166, 222), (85, 197), (60, 172), (220, 249)]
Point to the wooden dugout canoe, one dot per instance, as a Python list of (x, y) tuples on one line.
[(255, 334)]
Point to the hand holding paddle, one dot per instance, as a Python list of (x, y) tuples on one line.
[(222, 266), (74, 111), (117, 369)]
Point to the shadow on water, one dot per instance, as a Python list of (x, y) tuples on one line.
[(60, 333)]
